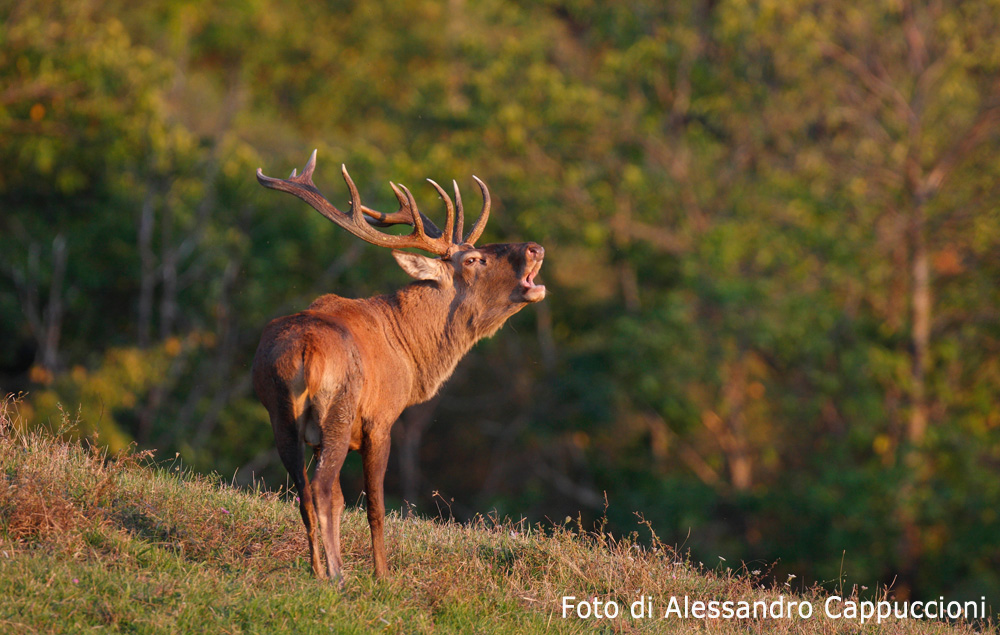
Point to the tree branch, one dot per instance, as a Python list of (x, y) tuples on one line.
[(985, 123)]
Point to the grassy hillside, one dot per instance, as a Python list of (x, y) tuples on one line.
[(89, 542)]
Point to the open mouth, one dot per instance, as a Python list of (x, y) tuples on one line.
[(532, 292)]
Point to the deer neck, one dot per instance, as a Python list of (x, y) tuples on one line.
[(435, 330)]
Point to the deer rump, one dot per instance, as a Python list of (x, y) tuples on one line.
[(337, 375)]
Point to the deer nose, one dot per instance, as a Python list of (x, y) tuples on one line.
[(536, 251)]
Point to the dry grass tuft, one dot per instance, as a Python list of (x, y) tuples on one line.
[(32, 507), (64, 496), (32, 511)]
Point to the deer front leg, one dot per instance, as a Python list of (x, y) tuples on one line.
[(375, 454)]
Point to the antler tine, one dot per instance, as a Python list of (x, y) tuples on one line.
[(295, 182), (460, 221), (357, 215), (402, 216), (477, 229), (415, 215), (306, 176), (450, 222), (307, 172)]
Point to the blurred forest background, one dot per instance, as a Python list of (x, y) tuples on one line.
[(772, 227)]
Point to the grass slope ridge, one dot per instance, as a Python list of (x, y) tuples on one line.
[(88, 541)]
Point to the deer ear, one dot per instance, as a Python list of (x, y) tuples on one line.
[(422, 267)]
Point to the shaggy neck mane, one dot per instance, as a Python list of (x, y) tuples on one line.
[(440, 330)]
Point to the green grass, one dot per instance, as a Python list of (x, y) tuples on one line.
[(89, 542)]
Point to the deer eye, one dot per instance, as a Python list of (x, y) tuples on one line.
[(474, 260)]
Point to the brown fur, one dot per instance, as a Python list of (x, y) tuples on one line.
[(337, 375)]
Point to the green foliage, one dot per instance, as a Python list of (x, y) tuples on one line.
[(734, 197)]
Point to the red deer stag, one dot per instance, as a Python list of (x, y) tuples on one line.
[(337, 375)]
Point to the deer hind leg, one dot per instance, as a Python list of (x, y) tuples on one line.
[(290, 450), (375, 456), (326, 487)]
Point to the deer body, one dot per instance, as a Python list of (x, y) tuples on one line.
[(337, 375)]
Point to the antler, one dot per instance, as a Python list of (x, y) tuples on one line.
[(425, 235)]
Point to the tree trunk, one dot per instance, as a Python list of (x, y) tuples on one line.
[(921, 333), (49, 354), (147, 268), (45, 324), (168, 274)]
